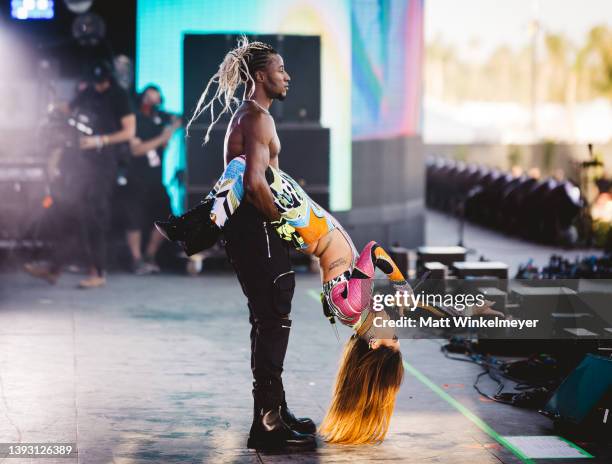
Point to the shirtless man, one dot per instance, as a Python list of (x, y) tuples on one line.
[(258, 255)]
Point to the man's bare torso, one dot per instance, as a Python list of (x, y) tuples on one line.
[(233, 145), (333, 250)]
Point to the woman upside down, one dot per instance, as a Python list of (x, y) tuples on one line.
[(371, 368)]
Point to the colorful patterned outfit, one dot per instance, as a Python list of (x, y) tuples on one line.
[(347, 295), (310, 221)]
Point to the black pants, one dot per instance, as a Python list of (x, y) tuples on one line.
[(144, 199), (96, 219), (261, 261), (88, 210)]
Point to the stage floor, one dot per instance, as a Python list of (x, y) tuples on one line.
[(156, 369)]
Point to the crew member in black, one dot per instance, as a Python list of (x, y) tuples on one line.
[(104, 110), (146, 198)]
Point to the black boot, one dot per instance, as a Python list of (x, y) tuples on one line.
[(299, 424), (270, 433)]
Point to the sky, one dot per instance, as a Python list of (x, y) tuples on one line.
[(476, 27)]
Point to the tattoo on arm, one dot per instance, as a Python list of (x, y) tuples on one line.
[(336, 263)]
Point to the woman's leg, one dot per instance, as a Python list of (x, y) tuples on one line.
[(371, 257), (380, 258), (228, 192), (352, 297)]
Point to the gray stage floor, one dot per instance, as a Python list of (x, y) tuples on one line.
[(156, 369)]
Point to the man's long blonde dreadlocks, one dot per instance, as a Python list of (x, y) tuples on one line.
[(238, 67)]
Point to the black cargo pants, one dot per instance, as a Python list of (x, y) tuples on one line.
[(261, 261)]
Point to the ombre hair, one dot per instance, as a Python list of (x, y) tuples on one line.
[(364, 394), (238, 67)]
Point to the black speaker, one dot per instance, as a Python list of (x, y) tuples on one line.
[(304, 156), (446, 255), (301, 55), (203, 53), (204, 162), (584, 398)]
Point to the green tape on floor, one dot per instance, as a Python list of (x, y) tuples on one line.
[(482, 425), (547, 447), (574, 445), (315, 294)]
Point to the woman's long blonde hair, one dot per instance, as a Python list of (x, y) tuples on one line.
[(364, 394), (238, 67)]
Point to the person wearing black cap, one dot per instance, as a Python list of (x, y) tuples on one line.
[(106, 109)]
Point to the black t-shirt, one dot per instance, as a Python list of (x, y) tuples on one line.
[(104, 112), (148, 127)]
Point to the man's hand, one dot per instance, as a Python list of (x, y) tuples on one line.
[(141, 148), (89, 143)]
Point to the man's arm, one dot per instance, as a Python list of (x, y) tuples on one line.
[(258, 130), (141, 148), (127, 132)]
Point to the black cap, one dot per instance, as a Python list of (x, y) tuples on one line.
[(100, 71)]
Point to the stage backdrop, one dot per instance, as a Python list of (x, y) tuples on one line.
[(388, 175), (161, 25), (371, 65), (387, 48)]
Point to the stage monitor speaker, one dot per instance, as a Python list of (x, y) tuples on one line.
[(301, 55), (585, 397), (542, 301), (468, 269), (437, 271), (446, 255), (203, 53), (497, 296), (304, 156)]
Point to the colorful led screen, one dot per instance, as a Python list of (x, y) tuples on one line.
[(371, 61), (161, 25), (387, 43)]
